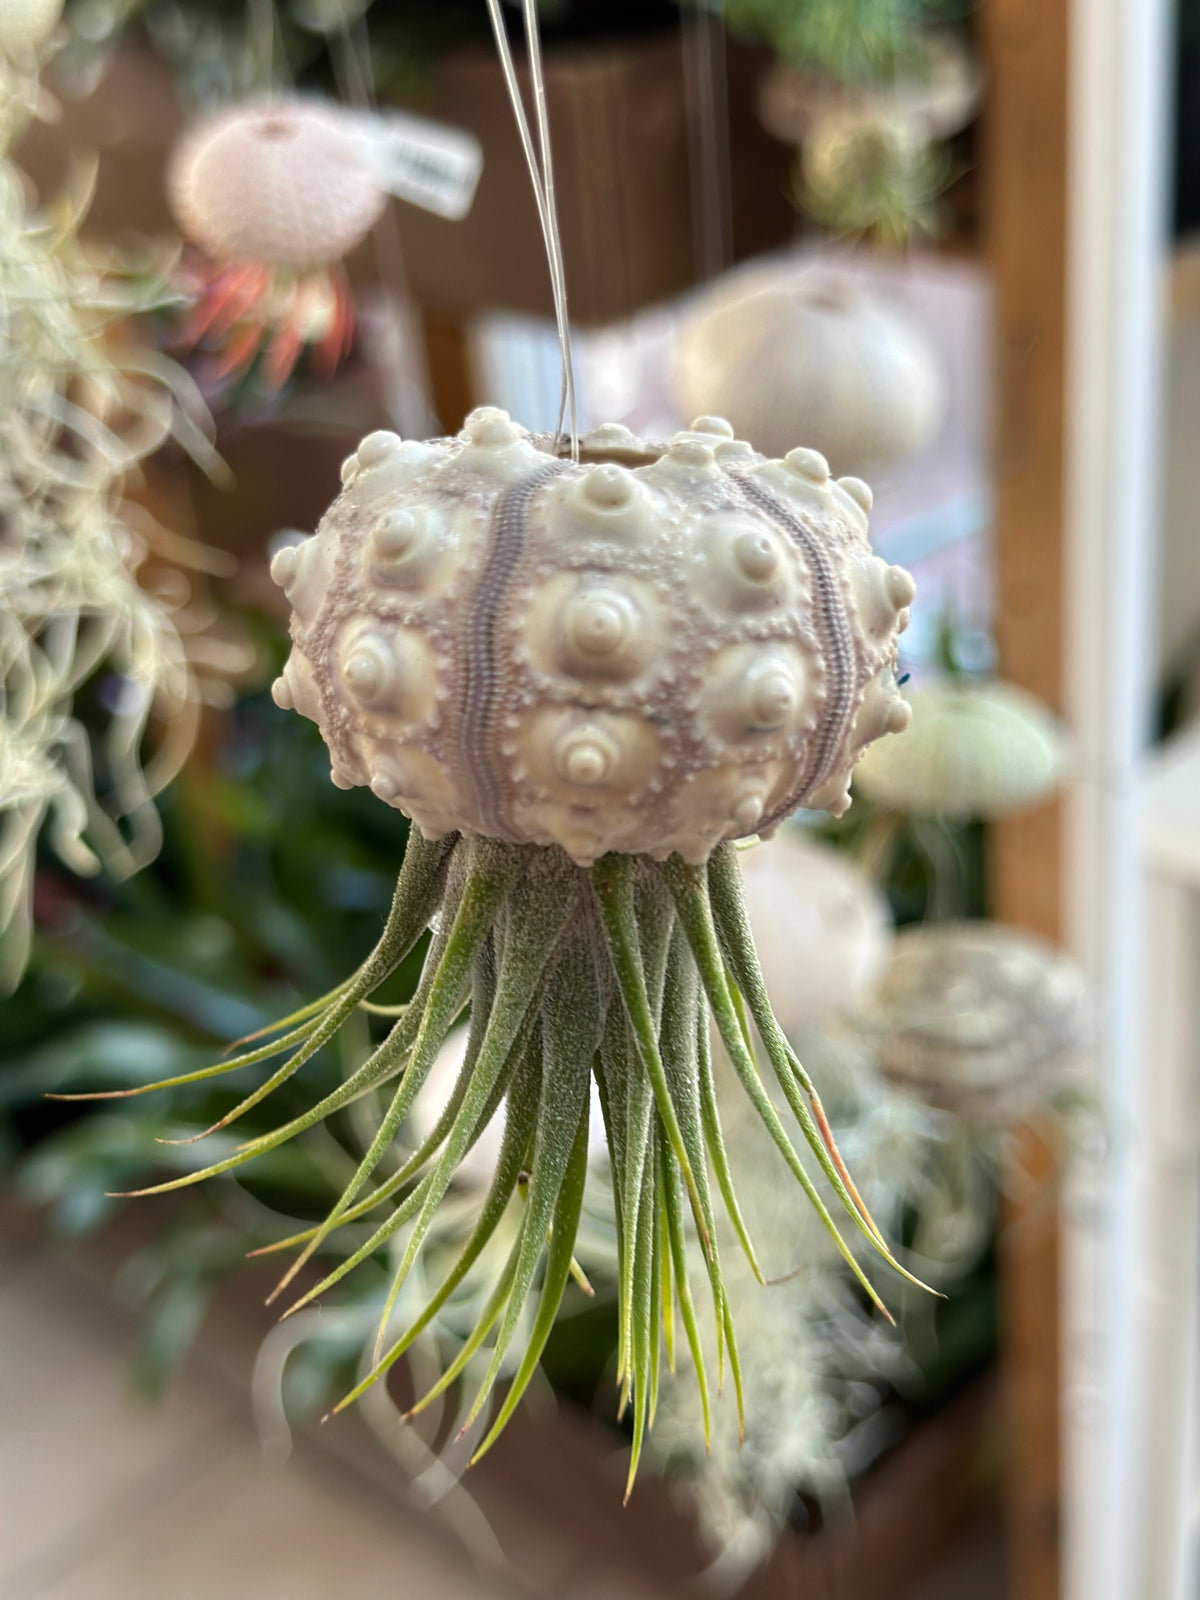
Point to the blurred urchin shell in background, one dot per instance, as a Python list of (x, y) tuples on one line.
[(973, 750), (281, 182), (788, 355), (653, 650), (822, 928), (979, 1019)]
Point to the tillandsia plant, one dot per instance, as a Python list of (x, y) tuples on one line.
[(582, 680), (873, 177), (79, 408), (849, 41)]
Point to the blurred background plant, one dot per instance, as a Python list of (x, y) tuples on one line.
[(869, 92), (104, 663)]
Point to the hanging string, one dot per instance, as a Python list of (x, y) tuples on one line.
[(706, 95), (542, 177), (262, 26), (408, 401)]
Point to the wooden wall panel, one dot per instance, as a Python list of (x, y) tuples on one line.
[(1025, 180)]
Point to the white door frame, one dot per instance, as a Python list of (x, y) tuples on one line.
[(1125, 1488)]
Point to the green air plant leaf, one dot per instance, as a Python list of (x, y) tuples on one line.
[(581, 753), (568, 997)]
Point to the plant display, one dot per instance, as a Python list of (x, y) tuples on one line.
[(587, 674), (582, 680)]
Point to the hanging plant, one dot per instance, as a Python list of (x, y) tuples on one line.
[(581, 680), (275, 194), (974, 750), (978, 1019), (871, 177), (933, 91)]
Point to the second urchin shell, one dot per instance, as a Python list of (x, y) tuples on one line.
[(788, 354), (974, 750), (281, 182), (822, 928), (978, 1018)]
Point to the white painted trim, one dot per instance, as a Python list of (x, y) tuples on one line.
[(1119, 102)]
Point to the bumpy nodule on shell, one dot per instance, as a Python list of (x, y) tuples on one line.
[(656, 649), (280, 181)]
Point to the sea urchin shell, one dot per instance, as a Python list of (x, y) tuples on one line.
[(582, 681), (280, 182), (975, 749), (659, 648)]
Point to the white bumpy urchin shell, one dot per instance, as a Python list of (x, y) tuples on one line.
[(974, 750), (653, 650), (282, 182), (786, 353)]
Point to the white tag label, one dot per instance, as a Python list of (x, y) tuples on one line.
[(423, 162)]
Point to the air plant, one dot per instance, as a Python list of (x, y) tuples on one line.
[(275, 193), (79, 407), (871, 176), (822, 932), (849, 41), (581, 680), (323, 1339), (866, 90), (814, 1392)]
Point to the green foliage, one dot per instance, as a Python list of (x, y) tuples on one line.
[(269, 880), (850, 41), (868, 177)]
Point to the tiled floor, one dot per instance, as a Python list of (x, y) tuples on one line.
[(104, 1498)]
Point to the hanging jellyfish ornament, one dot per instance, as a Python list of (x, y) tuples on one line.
[(582, 681), (274, 194)]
